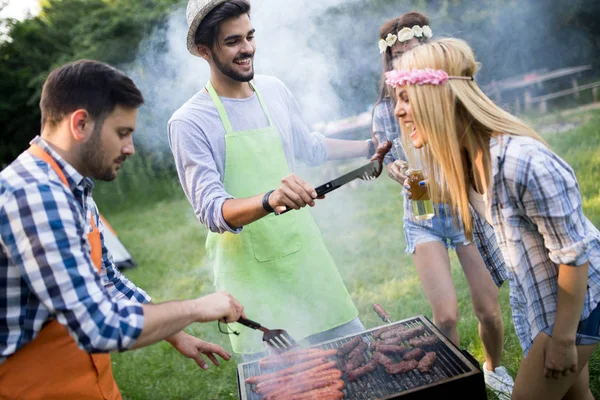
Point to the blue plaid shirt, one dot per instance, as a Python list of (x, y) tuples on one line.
[(386, 127), (539, 223), (45, 267)]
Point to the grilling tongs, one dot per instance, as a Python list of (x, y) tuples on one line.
[(278, 339), (367, 172)]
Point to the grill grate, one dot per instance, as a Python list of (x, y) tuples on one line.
[(452, 369)]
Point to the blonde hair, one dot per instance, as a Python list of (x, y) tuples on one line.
[(456, 121)]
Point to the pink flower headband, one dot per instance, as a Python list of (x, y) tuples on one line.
[(427, 76)]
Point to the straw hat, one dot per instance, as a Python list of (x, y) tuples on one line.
[(195, 13)]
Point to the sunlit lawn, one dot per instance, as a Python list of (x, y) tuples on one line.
[(362, 228)]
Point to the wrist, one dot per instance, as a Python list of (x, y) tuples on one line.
[(265, 202), (564, 340), (174, 339), (198, 310)]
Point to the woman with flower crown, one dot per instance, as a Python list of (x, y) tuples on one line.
[(429, 241), (494, 161)]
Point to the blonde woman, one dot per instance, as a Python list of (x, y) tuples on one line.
[(429, 241), (530, 196)]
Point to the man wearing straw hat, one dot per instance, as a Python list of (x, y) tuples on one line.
[(235, 143)]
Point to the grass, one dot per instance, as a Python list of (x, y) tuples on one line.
[(363, 230)]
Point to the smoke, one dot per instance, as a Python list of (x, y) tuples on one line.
[(168, 75), (326, 52), (289, 47)]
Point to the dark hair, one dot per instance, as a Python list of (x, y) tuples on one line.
[(90, 85), (208, 30), (407, 20)]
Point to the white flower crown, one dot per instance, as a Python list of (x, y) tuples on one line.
[(405, 34)]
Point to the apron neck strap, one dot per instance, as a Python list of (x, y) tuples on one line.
[(221, 108), (38, 152)]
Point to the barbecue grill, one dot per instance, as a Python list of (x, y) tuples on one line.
[(455, 373)]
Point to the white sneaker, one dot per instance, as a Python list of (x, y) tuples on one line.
[(499, 381)]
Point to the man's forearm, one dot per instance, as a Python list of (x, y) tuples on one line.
[(240, 212), (341, 149), (572, 287), (162, 321)]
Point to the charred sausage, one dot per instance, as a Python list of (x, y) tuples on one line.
[(427, 362), (414, 354)]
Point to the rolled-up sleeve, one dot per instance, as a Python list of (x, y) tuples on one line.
[(549, 192), (309, 147), (198, 175), (48, 240), (384, 129)]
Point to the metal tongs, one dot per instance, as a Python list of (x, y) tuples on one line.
[(366, 172), (277, 339)]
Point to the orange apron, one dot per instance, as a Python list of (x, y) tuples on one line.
[(52, 366)]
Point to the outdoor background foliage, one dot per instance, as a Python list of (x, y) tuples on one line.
[(510, 37)]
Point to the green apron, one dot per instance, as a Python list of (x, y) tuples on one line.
[(278, 267)]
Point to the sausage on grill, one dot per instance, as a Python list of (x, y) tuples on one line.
[(360, 371), (391, 348), (377, 334), (333, 392), (362, 346), (305, 384), (281, 379), (401, 367), (414, 354), (347, 347), (427, 362), (287, 371), (294, 357), (423, 341), (355, 362), (382, 359), (404, 334), (392, 340)]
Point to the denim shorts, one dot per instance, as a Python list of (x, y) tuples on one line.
[(441, 228), (588, 330)]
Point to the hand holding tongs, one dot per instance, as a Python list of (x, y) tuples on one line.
[(367, 172), (278, 339)]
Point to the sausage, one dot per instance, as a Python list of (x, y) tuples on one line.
[(293, 358), (427, 362), (287, 393), (282, 379), (302, 383), (382, 359), (306, 384), (414, 354), (401, 367), (393, 340), (377, 334), (404, 334), (362, 346), (423, 341), (287, 371), (333, 392), (391, 349), (347, 347), (355, 362), (360, 371)]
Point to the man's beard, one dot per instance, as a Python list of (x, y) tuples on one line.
[(93, 156), (231, 73)]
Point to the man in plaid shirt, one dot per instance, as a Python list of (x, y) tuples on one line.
[(63, 304)]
